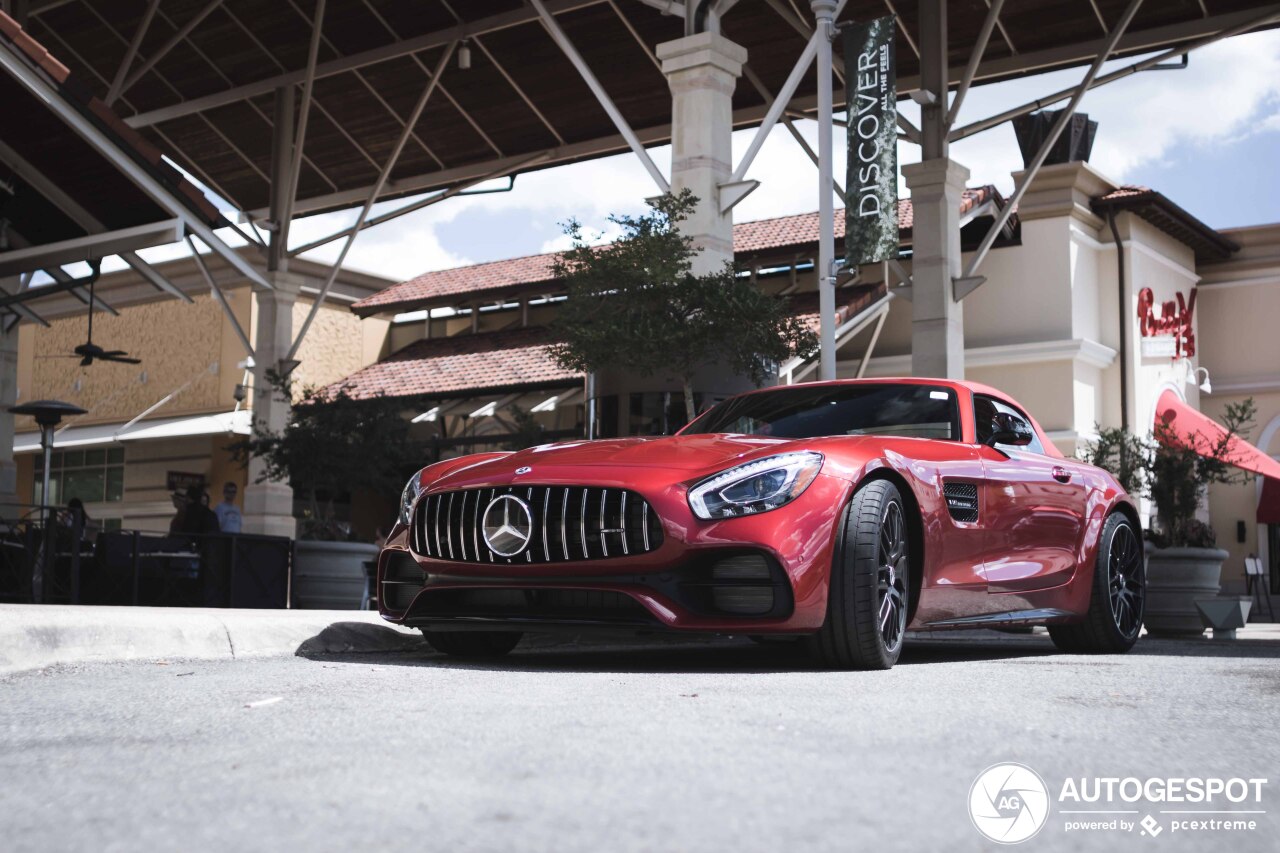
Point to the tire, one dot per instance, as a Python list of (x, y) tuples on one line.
[(1114, 619), (868, 595), (476, 645)]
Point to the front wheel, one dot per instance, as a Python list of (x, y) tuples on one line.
[(1114, 618), (473, 644), (870, 586)]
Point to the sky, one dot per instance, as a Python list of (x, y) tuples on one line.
[(1208, 137)]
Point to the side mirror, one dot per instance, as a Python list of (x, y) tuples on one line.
[(1010, 430)]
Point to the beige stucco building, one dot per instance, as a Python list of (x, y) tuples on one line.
[(174, 414)]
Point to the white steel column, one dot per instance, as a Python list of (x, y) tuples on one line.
[(937, 186), (824, 15), (268, 506), (702, 71)]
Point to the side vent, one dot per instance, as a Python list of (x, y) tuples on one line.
[(962, 501)]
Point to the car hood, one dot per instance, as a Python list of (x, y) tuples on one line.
[(678, 453)]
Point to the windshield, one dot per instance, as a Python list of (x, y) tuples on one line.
[(810, 411)]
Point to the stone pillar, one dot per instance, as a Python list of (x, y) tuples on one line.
[(937, 319), (8, 397), (702, 71), (268, 506)]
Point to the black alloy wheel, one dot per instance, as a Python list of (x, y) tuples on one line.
[(869, 593), (1117, 596)]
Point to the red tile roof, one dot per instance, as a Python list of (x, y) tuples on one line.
[(849, 301), (496, 277), (490, 278), (461, 365), (515, 358)]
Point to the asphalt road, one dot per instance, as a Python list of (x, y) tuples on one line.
[(635, 746)]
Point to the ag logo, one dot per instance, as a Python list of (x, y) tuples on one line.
[(1008, 803)]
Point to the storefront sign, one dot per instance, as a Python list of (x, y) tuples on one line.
[(871, 214), (180, 481), (1168, 333)]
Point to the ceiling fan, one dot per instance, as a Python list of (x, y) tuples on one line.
[(89, 352)]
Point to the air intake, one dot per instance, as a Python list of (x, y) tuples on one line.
[(962, 501)]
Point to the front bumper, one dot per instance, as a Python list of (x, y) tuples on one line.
[(760, 574)]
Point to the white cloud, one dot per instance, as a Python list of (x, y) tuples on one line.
[(1141, 118)]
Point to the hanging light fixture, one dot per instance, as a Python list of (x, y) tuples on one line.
[(464, 56), (1193, 377)]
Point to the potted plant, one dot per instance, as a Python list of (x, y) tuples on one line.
[(1183, 564), (333, 445)]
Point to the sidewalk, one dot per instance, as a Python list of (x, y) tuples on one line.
[(36, 636)]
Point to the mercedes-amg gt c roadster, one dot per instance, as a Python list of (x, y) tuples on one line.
[(844, 513)]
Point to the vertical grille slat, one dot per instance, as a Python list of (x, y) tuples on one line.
[(546, 521), (448, 523), (568, 523), (462, 515), (475, 527), (622, 519), (604, 541), (436, 525), (582, 524), (564, 524)]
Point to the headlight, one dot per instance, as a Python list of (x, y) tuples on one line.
[(408, 496), (755, 487)]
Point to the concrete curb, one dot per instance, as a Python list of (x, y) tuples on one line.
[(36, 636)]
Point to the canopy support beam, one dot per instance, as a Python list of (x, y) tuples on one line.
[(584, 71), (1033, 168), (373, 196)]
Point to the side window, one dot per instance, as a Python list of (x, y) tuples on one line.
[(986, 408)]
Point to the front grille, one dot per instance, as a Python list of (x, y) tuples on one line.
[(568, 523)]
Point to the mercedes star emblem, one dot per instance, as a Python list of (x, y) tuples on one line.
[(507, 525)]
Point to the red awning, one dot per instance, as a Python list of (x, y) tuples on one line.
[(1269, 503), (1191, 430)]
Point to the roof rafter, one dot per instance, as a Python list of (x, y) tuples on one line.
[(394, 50)]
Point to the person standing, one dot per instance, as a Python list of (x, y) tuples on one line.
[(229, 515)]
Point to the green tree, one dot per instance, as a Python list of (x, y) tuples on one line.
[(334, 444), (1125, 455), (636, 304)]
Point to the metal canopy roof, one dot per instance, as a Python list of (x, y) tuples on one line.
[(201, 82)]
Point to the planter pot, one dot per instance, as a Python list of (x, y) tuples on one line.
[(330, 575), (1225, 614), (1176, 577)]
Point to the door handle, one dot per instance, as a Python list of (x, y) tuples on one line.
[(1062, 475)]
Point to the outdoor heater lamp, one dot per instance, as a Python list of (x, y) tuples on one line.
[(48, 414)]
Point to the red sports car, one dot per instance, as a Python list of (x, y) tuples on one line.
[(843, 512)]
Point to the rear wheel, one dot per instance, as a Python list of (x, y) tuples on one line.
[(869, 592), (473, 644), (1114, 618)]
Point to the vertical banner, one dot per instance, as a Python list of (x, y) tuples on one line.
[(871, 185)]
